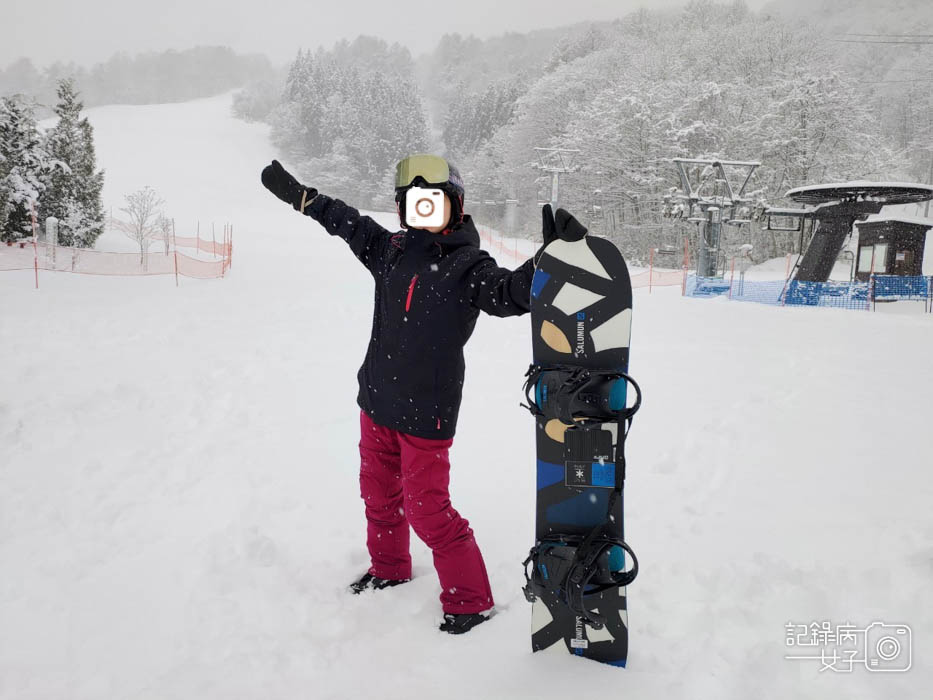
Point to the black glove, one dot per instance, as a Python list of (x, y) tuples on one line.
[(281, 183), (564, 226)]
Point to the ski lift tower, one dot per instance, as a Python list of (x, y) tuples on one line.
[(709, 199), (556, 161)]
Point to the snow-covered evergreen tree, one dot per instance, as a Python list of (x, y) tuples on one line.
[(73, 193), (90, 189), (475, 119), (344, 123), (23, 163)]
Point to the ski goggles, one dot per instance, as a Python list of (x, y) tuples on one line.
[(433, 169)]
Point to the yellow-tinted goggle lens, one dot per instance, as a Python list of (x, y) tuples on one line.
[(433, 169)]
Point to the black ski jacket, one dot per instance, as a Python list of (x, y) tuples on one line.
[(430, 289)]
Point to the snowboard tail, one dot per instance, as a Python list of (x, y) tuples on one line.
[(578, 389)]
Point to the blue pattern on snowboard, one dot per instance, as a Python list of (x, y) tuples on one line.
[(549, 474), (586, 509), (603, 474), (538, 281)]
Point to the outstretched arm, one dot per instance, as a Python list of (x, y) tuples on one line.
[(366, 238), (503, 292), (499, 291)]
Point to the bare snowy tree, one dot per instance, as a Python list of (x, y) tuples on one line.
[(144, 208), (164, 231)]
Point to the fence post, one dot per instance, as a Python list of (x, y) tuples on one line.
[(650, 269), (175, 251), (683, 288), (35, 241), (731, 276)]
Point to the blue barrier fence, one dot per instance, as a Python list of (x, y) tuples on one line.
[(843, 295), (891, 287)]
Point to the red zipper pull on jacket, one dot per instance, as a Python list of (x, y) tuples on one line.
[(411, 289)]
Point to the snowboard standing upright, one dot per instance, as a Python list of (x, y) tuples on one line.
[(581, 314)]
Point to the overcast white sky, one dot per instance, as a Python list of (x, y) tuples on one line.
[(89, 31)]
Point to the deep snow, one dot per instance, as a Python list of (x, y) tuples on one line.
[(179, 510)]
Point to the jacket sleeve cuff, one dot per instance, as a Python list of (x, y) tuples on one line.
[(316, 209)]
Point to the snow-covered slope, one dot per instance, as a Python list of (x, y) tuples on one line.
[(179, 510)]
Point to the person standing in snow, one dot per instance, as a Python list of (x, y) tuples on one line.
[(430, 286)]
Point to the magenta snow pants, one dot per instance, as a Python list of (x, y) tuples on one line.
[(403, 481)]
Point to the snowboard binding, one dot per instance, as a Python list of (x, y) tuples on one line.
[(586, 401), (579, 395), (574, 568)]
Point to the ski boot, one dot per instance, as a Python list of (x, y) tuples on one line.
[(369, 582), (458, 624)]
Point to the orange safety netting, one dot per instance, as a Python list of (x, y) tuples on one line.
[(17, 257), (205, 246), (655, 277), (497, 245), (200, 269), (40, 255), (652, 277)]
